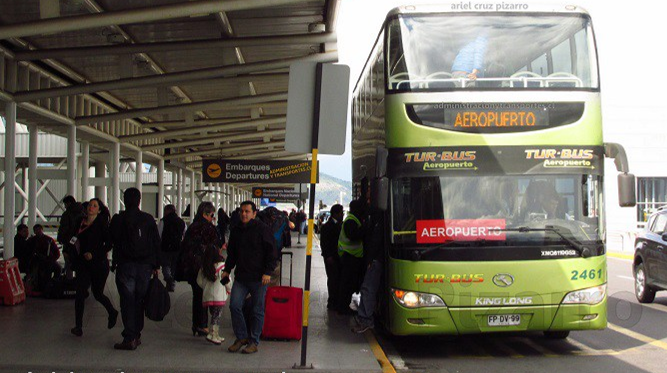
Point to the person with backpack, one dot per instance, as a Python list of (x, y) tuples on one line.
[(91, 246), (215, 292), (272, 217), (136, 247), (171, 228), (200, 235)]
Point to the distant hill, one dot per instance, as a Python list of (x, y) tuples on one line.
[(331, 189)]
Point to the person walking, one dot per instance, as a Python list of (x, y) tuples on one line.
[(68, 228), (329, 244), (136, 247), (223, 225), (200, 235), (171, 228), (215, 293), (91, 245), (351, 253), (251, 254)]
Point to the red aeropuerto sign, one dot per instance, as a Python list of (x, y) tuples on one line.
[(440, 231)]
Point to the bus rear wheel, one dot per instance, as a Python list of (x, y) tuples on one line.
[(561, 334)]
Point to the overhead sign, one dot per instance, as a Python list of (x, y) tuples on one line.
[(255, 171), (277, 194), (332, 110)]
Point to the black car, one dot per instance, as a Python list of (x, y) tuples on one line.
[(650, 264)]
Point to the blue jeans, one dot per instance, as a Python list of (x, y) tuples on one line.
[(240, 290), (132, 283), (369, 291)]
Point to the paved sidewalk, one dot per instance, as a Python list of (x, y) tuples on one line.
[(36, 337)]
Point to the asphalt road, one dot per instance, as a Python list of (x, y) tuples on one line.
[(635, 341)]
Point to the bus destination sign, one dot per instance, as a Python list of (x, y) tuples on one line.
[(498, 160), (441, 231)]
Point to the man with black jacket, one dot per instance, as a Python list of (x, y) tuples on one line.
[(69, 225), (329, 245), (251, 252), (171, 229), (136, 245)]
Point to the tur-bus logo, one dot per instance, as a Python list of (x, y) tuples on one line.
[(454, 278)]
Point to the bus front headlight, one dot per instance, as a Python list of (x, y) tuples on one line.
[(414, 299), (593, 295)]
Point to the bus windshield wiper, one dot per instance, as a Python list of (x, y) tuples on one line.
[(583, 250), (418, 253)]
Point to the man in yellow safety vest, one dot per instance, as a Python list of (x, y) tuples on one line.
[(351, 252)]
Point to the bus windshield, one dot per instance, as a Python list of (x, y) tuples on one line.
[(436, 52), (496, 211)]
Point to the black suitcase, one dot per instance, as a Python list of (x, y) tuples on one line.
[(60, 288)]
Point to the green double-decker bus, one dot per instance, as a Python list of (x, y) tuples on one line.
[(478, 133)]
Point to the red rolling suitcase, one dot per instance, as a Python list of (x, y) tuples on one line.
[(284, 310)]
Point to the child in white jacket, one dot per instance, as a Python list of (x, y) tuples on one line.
[(215, 293)]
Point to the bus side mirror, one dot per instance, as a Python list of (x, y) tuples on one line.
[(626, 190), (380, 194)]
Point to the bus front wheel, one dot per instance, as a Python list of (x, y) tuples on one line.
[(561, 334)]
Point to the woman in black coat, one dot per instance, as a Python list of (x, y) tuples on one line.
[(200, 234), (91, 262)]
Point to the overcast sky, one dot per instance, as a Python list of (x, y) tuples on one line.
[(630, 36)]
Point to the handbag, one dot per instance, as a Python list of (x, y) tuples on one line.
[(157, 300)]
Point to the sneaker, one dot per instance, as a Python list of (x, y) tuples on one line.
[(215, 339), (237, 345), (361, 329), (251, 349), (126, 345)]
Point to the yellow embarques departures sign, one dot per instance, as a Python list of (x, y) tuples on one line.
[(213, 170)]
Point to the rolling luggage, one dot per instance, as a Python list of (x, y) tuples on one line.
[(284, 309)]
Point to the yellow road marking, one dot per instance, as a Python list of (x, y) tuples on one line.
[(584, 350), (507, 349), (541, 349), (385, 364), (640, 337), (478, 349), (621, 256)]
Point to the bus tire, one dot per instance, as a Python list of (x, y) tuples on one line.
[(560, 334), (643, 292)]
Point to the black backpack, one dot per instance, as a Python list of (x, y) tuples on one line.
[(172, 234), (135, 238)]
